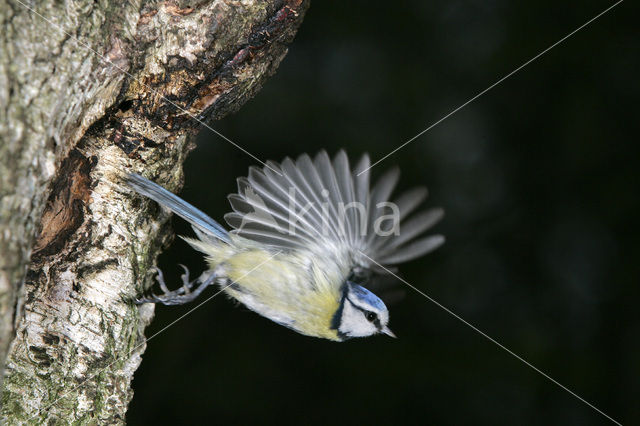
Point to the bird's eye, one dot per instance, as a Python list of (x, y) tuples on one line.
[(371, 316)]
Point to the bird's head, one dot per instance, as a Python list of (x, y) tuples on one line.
[(361, 313)]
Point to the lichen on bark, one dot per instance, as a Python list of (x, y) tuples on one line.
[(72, 123)]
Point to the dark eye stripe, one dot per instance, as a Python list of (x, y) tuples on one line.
[(366, 312)]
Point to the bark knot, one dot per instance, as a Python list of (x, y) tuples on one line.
[(64, 211)]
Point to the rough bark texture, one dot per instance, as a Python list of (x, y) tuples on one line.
[(76, 245)]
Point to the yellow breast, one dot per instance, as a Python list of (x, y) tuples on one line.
[(294, 290)]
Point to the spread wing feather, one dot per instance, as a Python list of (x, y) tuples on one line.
[(324, 205)]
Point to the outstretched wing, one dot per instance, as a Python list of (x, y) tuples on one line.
[(323, 205)]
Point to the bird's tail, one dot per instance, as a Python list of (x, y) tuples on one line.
[(201, 223)]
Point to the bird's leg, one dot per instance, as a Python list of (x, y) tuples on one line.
[(189, 291)]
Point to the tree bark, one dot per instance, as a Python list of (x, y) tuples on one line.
[(89, 91)]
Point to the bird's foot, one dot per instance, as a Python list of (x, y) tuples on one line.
[(189, 291)]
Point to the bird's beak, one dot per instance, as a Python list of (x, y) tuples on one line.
[(388, 332)]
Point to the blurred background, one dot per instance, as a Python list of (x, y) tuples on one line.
[(540, 181)]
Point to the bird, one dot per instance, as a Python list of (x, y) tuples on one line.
[(308, 235)]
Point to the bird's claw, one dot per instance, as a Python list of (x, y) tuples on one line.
[(189, 291)]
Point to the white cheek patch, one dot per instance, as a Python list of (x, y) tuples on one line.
[(354, 324)]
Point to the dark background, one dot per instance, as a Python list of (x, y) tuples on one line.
[(539, 178)]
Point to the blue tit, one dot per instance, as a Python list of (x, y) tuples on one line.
[(306, 232)]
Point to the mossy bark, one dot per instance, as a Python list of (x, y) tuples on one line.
[(89, 91)]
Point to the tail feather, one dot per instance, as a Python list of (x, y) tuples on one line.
[(191, 214)]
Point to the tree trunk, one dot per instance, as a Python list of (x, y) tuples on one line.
[(89, 91)]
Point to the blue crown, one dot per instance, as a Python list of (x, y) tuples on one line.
[(366, 296)]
